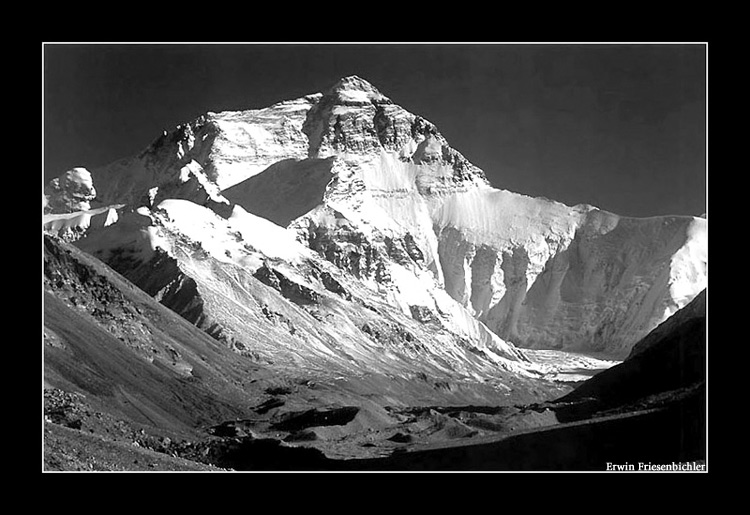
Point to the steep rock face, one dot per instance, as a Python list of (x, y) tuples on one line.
[(591, 281), (353, 117), (174, 165), (378, 192), (248, 142), (72, 191), (618, 279), (667, 366), (696, 309), (196, 160)]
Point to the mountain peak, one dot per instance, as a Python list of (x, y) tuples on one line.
[(354, 82), (355, 89), (72, 191)]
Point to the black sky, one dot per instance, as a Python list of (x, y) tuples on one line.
[(622, 127)]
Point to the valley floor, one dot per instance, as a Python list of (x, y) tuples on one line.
[(663, 432), (286, 433)]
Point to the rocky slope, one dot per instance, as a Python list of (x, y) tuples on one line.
[(248, 283), (649, 410), (130, 385), (666, 367), (380, 193)]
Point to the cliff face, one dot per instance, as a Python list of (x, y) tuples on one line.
[(379, 193), (666, 368), (593, 281), (72, 191)]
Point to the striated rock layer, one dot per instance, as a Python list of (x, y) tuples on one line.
[(379, 193)]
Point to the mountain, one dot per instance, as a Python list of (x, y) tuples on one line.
[(667, 365), (380, 193), (122, 371), (364, 273), (73, 191), (129, 385), (649, 410)]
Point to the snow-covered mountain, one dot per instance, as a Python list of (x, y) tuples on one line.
[(339, 228)]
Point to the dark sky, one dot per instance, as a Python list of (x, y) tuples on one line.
[(622, 127)]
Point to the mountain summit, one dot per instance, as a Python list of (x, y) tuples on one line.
[(356, 90), (380, 206)]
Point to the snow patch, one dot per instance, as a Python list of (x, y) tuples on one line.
[(689, 266), (267, 237), (73, 225)]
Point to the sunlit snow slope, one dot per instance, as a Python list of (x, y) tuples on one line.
[(249, 283)]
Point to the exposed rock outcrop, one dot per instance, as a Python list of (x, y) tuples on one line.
[(72, 191)]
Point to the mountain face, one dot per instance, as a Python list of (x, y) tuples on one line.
[(338, 231), (666, 369), (249, 283), (129, 385), (73, 191), (122, 373)]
